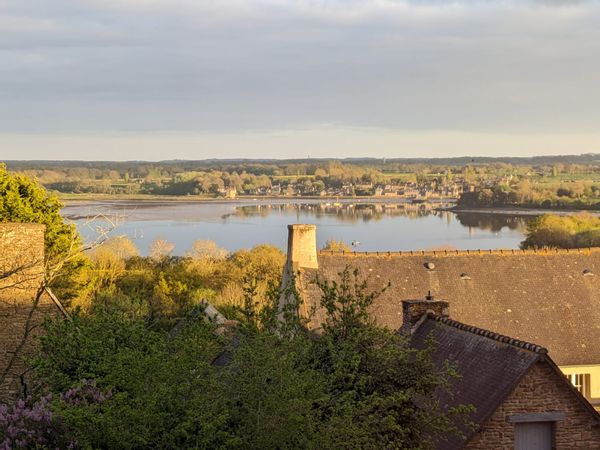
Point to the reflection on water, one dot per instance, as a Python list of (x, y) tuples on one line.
[(377, 226), (366, 212), (344, 212), (493, 222)]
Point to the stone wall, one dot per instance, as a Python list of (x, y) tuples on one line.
[(21, 288), (21, 260), (541, 390)]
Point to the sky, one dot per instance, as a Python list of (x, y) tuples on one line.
[(195, 79)]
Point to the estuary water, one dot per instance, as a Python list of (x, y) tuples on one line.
[(365, 225)]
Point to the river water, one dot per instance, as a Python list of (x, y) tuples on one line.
[(379, 226)]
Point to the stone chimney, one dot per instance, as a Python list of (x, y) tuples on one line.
[(414, 310), (302, 247)]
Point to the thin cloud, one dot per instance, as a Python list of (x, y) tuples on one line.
[(73, 66)]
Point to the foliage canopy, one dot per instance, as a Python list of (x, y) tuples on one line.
[(255, 386), (23, 200), (576, 231)]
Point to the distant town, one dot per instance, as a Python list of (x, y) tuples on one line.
[(551, 182)]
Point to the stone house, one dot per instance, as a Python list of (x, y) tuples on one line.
[(520, 397), (551, 298), (409, 192), (24, 301)]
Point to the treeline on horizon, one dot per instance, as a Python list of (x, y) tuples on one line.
[(302, 176), (584, 158)]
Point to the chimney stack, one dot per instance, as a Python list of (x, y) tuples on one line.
[(302, 246), (414, 310)]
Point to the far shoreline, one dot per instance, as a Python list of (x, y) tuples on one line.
[(520, 211), (74, 200)]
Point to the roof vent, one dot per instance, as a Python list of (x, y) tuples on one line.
[(429, 296), (588, 273), (464, 276), (429, 265)]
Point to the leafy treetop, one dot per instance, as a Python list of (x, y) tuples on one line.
[(23, 200)]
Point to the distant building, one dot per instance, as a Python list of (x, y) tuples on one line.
[(347, 189), (409, 192)]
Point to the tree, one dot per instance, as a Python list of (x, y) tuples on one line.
[(108, 264), (563, 232), (382, 393), (274, 394), (159, 390), (23, 200), (320, 173), (160, 248), (333, 245), (118, 381), (206, 249)]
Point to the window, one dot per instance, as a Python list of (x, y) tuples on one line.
[(534, 436), (535, 431), (581, 381)]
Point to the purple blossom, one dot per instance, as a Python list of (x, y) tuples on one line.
[(26, 424), (86, 394)]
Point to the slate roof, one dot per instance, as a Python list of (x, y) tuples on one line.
[(491, 366), (548, 297)]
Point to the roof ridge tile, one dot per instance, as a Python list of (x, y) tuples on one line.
[(488, 334), (503, 252)]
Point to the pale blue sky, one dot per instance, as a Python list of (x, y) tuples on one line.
[(162, 79)]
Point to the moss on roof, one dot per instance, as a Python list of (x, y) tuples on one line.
[(551, 298)]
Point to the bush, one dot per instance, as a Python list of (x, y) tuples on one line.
[(27, 424), (554, 231), (336, 246), (148, 388), (121, 382)]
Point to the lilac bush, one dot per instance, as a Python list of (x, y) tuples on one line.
[(29, 424), (86, 394)]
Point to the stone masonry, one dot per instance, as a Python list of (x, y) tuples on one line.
[(24, 301), (541, 390)]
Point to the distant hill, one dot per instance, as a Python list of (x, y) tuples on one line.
[(586, 158)]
